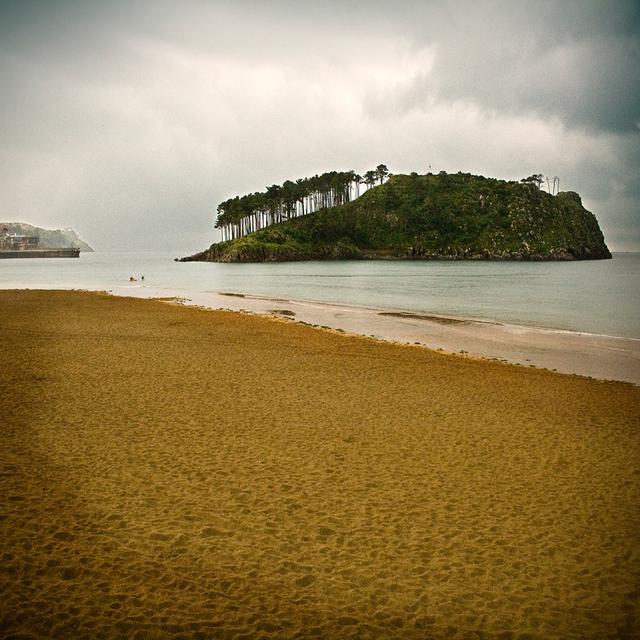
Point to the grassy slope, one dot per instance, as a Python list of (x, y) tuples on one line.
[(412, 216)]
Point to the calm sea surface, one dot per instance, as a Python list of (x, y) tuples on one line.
[(597, 297)]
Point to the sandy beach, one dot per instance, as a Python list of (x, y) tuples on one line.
[(174, 472), (586, 354)]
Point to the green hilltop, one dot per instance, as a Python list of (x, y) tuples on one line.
[(420, 217)]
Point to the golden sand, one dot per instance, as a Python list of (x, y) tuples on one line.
[(170, 472)]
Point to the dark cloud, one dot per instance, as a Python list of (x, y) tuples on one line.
[(134, 119), (576, 61)]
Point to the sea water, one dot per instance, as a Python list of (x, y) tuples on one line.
[(601, 296)]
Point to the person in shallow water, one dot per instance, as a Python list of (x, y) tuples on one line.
[(132, 279)]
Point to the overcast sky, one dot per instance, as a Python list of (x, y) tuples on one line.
[(130, 121)]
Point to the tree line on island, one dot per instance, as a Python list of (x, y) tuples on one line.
[(242, 215)]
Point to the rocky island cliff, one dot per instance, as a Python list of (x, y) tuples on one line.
[(420, 217)]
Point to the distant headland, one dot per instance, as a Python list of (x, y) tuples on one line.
[(342, 215), (22, 240)]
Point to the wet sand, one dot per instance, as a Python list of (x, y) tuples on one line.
[(175, 472), (597, 356)]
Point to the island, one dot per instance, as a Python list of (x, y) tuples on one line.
[(22, 240), (444, 216)]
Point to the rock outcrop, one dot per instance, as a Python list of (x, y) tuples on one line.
[(48, 238)]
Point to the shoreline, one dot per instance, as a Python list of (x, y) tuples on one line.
[(579, 353), (426, 315)]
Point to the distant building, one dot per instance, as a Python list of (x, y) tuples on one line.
[(15, 242)]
